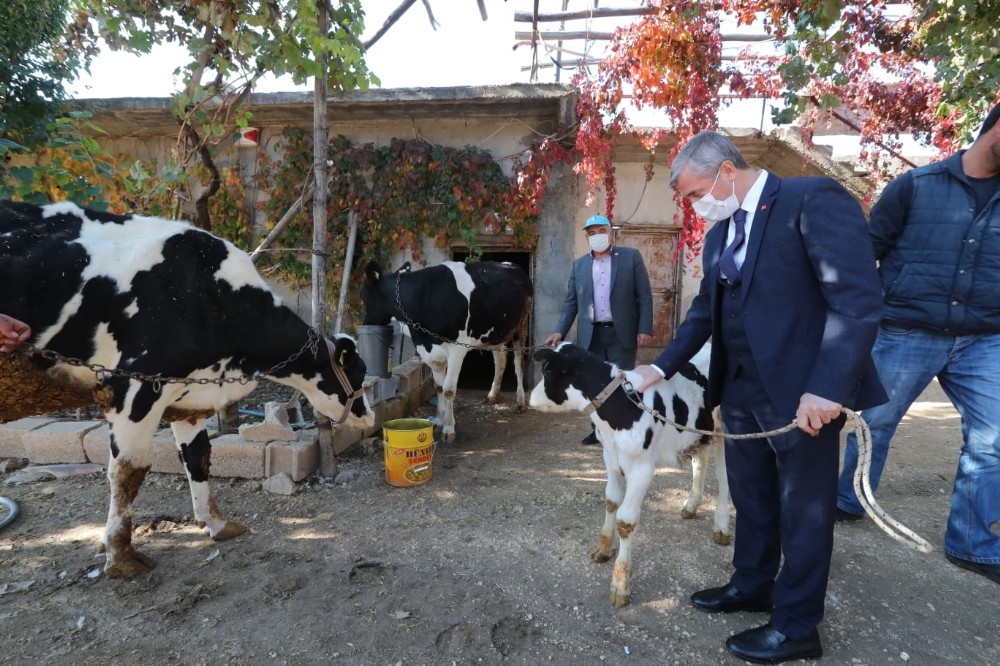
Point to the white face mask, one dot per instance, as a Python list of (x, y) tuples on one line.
[(714, 210), (599, 242)]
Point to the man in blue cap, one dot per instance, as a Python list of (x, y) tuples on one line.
[(609, 293)]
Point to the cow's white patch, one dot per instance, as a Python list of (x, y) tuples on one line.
[(238, 270), (132, 309)]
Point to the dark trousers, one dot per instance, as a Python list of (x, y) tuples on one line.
[(785, 491), (605, 343)]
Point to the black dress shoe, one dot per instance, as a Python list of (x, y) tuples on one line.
[(590, 439), (991, 571), (841, 516), (767, 645), (727, 599)]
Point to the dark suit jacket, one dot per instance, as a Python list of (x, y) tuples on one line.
[(631, 298), (811, 299)]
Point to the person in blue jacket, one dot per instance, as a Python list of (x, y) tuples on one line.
[(791, 301), (936, 232)]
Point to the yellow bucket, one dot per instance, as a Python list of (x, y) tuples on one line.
[(409, 448)]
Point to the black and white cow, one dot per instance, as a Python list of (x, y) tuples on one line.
[(159, 297), (635, 442), (449, 309)]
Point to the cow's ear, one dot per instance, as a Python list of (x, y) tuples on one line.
[(342, 348), (373, 271), (544, 355)]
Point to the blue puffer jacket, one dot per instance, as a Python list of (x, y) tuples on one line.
[(940, 265)]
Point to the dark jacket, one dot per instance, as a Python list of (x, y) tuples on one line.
[(811, 302), (631, 298), (939, 261)]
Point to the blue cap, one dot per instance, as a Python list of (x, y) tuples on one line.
[(595, 220)]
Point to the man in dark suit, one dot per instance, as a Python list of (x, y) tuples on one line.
[(609, 294), (792, 302)]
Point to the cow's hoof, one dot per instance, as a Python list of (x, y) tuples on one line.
[(492, 399), (721, 538), (619, 598), (129, 565), (689, 514), (448, 437), (229, 531), (601, 556), (519, 409)]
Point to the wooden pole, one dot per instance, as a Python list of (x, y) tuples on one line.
[(352, 217), (327, 459)]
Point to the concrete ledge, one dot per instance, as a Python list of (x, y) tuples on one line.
[(234, 456), (58, 442), (45, 440), (12, 435)]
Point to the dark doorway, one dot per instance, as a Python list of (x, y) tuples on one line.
[(477, 369)]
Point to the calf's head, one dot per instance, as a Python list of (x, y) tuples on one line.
[(562, 367)]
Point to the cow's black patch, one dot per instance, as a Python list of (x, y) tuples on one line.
[(113, 446), (196, 456), (682, 412), (648, 439), (690, 372)]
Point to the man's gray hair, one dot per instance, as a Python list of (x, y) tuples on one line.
[(704, 154)]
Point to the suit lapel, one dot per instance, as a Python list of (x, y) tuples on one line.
[(615, 261), (764, 207)]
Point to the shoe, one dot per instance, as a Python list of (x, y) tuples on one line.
[(727, 599), (590, 439), (767, 645), (841, 516), (991, 571)]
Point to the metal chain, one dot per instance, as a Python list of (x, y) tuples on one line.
[(420, 327), (103, 372)]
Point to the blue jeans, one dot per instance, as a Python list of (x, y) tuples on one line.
[(968, 369)]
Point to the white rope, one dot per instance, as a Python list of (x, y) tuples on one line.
[(862, 473), (863, 489)]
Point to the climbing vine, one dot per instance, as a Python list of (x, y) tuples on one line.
[(402, 193)]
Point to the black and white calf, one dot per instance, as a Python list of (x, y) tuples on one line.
[(635, 442), (147, 296), (449, 309)]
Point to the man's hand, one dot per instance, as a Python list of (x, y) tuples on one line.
[(642, 340), (650, 376), (553, 339), (12, 333), (815, 412)]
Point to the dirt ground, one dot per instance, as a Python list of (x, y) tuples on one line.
[(487, 563)]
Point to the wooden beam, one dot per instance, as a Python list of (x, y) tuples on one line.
[(605, 12)]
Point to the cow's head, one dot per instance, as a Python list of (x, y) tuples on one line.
[(561, 373), (378, 307), (325, 388)]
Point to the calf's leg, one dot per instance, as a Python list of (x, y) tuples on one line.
[(699, 462), (456, 354), (722, 534), (195, 452), (637, 482), (614, 494)]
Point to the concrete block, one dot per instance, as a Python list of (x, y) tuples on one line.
[(234, 456), (12, 435), (370, 386), (409, 375), (297, 459), (97, 444), (387, 388), (58, 442), (274, 427), (164, 456), (397, 408), (344, 437)]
